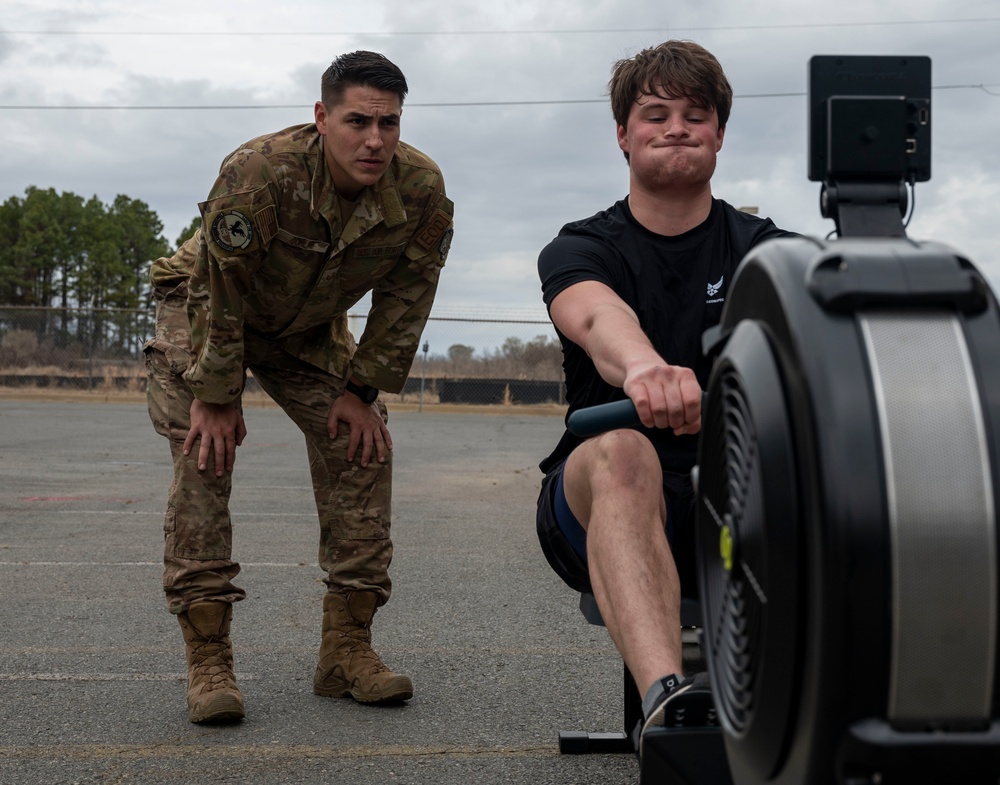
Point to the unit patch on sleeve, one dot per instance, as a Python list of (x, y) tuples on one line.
[(428, 236), (232, 231)]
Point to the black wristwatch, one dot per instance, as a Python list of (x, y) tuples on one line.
[(365, 392)]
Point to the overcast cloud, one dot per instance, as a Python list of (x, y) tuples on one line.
[(516, 173)]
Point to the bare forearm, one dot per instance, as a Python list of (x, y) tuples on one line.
[(617, 345), (592, 316), (664, 395)]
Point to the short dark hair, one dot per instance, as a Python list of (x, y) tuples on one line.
[(364, 69), (680, 69)]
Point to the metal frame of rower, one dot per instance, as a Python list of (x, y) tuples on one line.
[(583, 742), (676, 755)]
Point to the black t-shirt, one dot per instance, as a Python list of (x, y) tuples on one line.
[(676, 286)]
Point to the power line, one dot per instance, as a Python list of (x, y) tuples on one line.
[(423, 33), (425, 105), (309, 106)]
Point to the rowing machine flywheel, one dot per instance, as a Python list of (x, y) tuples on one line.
[(846, 523)]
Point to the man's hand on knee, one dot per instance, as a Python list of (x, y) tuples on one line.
[(221, 429), (367, 428)]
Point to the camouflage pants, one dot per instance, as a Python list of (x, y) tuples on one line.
[(354, 504)]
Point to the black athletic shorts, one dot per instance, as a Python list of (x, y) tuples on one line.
[(570, 563)]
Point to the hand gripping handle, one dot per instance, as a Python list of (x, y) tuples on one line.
[(606, 417)]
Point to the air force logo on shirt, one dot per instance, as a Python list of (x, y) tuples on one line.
[(713, 290)]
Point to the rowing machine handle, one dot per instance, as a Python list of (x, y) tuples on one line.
[(603, 417), (593, 420)]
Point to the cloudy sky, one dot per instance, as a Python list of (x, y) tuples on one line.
[(146, 99)]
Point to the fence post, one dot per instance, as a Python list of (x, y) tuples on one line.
[(423, 376), (90, 353)]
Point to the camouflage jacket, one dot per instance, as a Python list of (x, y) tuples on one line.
[(274, 258)]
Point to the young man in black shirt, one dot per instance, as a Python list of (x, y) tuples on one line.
[(630, 291)]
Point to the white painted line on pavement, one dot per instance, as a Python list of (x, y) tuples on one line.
[(105, 676)]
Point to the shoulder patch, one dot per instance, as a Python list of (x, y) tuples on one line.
[(232, 231), (431, 234)]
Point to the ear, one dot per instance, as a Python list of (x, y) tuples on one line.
[(718, 139), (623, 139), (319, 112)]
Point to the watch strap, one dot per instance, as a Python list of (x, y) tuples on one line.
[(365, 392)]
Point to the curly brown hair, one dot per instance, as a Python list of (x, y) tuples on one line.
[(674, 69)]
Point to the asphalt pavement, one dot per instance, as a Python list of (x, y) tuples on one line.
[(92, 665)]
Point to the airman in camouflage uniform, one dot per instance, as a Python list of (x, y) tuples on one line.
[(299, 225)]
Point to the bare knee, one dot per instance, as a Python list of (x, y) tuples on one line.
[(619, 470), (624, 458)]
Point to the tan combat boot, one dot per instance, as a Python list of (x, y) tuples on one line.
[(212, 692), (348, 666)]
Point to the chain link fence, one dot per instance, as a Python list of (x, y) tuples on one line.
[(461, 360)]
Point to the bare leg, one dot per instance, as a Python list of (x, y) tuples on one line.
[(613, 485)]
